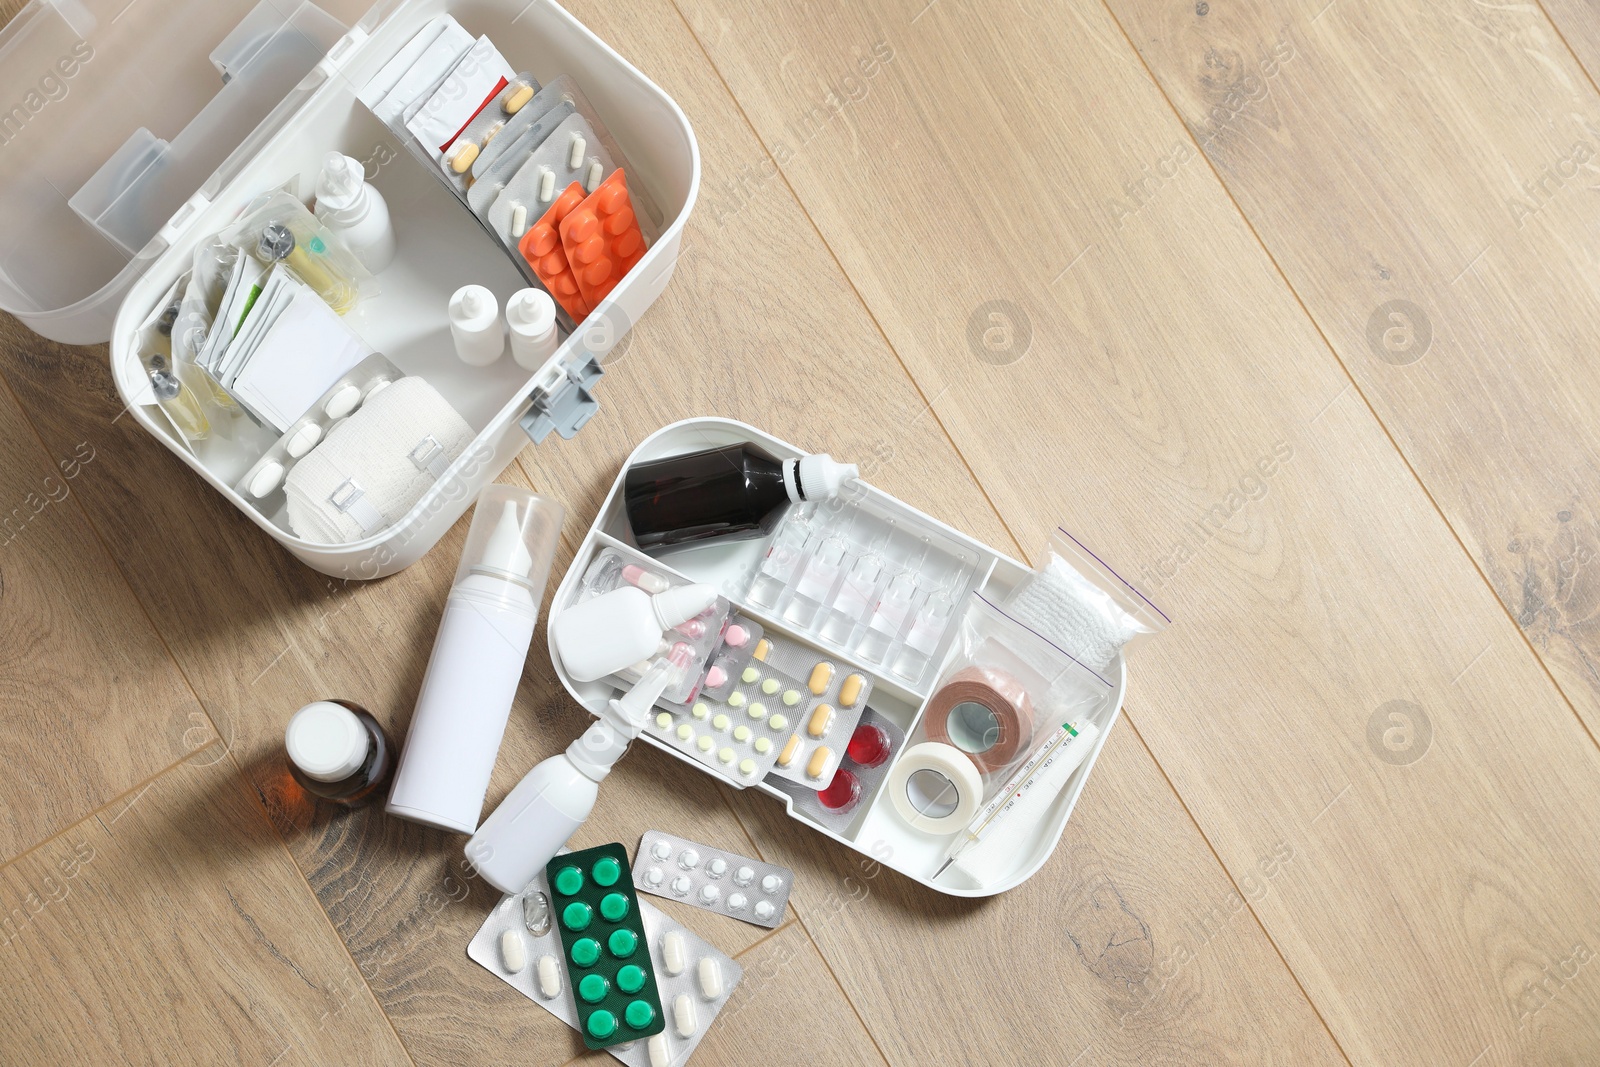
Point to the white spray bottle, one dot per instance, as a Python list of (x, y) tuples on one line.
[(355, 211), (477, 660), (544, 809)]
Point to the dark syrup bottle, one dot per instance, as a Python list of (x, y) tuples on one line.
[(735, 492), (338, 752)]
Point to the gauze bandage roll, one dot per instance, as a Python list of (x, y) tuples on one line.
[(374, 466)]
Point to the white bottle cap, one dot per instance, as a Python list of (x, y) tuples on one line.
[(326, 741), (682, 603), (339, 184), (821, 477), (531, 312), (473, 307)]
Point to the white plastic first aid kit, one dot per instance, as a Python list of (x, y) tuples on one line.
[(906, 686), (107, 192)]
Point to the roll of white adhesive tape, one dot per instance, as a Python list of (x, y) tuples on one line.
[(935, 788)]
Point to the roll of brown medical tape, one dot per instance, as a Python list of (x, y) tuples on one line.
[(983, 712)]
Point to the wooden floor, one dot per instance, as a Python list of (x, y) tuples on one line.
[(1287, 306)]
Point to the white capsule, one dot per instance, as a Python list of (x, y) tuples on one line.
[(709, 894), (717, 867), (519, 220), (549, 977), (660, 1051), (592, 182), (744, 875), (764, 909), (683, 1015), (681, 885), (688, 859), (710, 973), (575, 159), (771, 884), (674, 953), (547, 185), (513, 950)]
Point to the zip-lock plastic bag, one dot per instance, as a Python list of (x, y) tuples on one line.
[(1083, 606), (1005, 689), (278, 228)]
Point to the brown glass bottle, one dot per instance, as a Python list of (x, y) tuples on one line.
[(339, 752)]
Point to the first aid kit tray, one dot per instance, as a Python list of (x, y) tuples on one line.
[(141, 131)]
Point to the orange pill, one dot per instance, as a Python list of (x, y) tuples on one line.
[(627, 244), (597, 273)]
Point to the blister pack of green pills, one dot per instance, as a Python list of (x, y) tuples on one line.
[(606, 955)]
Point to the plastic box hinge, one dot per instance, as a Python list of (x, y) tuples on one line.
[(566, 405)]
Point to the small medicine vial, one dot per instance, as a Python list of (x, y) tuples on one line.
[(531, 317), (338, 752)]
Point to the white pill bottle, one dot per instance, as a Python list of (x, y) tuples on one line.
[(477, 660)]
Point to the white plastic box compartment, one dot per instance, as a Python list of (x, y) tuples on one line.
[(65, 266), (875, 830)]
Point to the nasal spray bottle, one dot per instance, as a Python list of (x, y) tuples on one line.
[(355, 211), (477, 660), (544, 809)]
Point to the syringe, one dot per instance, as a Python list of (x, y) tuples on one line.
[(1055, 759)]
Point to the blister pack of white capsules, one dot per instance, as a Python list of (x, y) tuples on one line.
[(262, 484), (484, 127), (838, 695), (867, 756), (485, 189), (519, 944), (559, 90), (711, 878), (688, 644), (572, 153), (738, 734)]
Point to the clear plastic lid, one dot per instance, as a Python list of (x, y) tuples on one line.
[(113, 114), (514, 536)]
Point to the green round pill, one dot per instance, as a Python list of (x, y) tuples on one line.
[(577, 915), (639, 1014), (614, 906), (630, 979), (622, 943), (568, 881), (585, 951), (593, 988), (606, 871), (601, 1024)]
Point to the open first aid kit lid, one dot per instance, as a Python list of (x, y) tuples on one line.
[(119, 119)]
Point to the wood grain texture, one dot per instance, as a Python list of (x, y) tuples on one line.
[(1148, 379), (1107, 954), (171, 927), (1449, 268), (797, 353), (91, 704)]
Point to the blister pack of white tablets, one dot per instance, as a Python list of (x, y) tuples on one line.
[(867, 757), (262, 484), (710, 878), (740, 735), (837, 694), (519, 944)]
